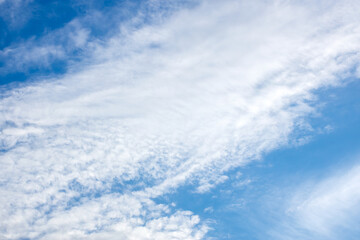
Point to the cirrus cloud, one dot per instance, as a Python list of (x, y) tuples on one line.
[(175, 102)]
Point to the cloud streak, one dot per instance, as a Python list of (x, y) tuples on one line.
[(326, 208)]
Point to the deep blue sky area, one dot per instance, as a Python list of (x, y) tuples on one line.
[(40, 17), (32, 23)]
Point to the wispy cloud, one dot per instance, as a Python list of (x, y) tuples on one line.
[(46, 44), (324, 209), (42, 52), (182, 101)]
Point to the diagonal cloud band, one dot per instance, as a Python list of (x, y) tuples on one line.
[(179, 102)]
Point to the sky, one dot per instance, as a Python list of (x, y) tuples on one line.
[(191, 119)]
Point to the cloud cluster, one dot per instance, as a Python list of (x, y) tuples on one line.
[(178, 102)]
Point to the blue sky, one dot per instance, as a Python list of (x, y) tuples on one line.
[(179, 119)]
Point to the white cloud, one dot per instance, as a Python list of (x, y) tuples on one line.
[(108, 217), (325, 209), (178, 102), (42, 52)]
